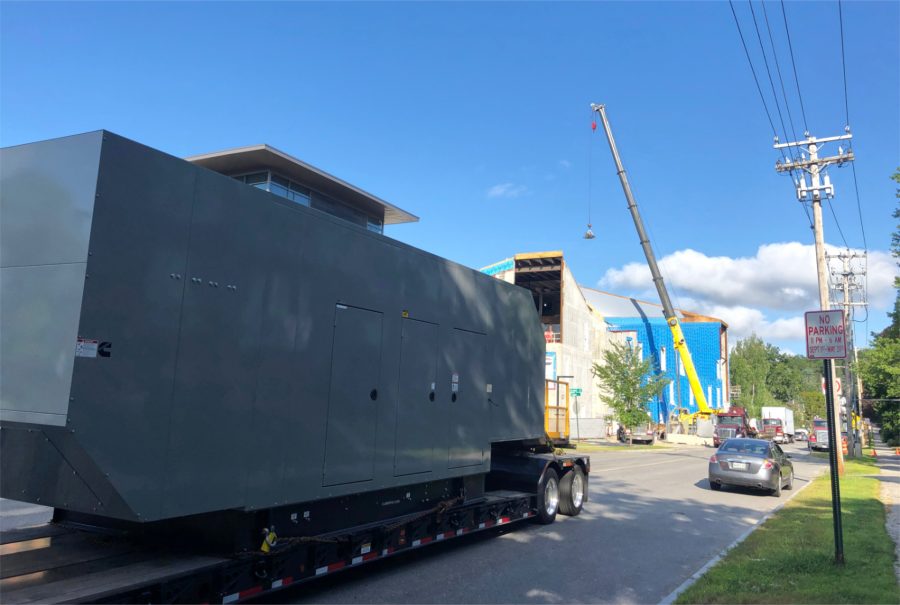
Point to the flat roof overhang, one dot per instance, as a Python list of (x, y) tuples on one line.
[(244, 160)]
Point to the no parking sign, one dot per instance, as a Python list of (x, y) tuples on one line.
[(825, 337)]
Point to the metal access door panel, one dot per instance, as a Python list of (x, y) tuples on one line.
[(467, 400), (418, 410), (353, 398)]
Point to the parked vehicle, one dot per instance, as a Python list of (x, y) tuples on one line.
[(751, 463), (781, 431), (732, 423), (642, 434), (801, 435), (818, 435)]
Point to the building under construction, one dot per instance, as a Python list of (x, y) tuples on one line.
[(706, 338), (580, 323)]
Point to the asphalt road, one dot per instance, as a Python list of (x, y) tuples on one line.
[(651, 522)]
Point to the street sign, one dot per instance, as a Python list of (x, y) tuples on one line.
[(576, 392), (825, 335), (837, 385)]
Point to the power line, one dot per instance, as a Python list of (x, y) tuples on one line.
[(862, 226), (837, 224), (847, 115), (844, 63), (752, 70), (859, 209), (762, 97), (768, 71), (794, 64), (787, 105)]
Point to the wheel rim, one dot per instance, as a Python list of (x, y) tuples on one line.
[(551, 497), (577, 490)]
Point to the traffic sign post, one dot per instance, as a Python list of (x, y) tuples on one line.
[(825, 340), (576, 392)]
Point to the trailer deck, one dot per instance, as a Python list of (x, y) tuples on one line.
[(57, 564)]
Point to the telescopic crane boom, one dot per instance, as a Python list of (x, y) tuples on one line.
[(668, 309)]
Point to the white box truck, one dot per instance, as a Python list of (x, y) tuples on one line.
[(778, 424)]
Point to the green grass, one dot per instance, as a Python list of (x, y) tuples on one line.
[(790, 558), (864, 460)]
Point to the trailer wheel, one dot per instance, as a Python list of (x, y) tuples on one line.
[(548, 497), (572, 490)]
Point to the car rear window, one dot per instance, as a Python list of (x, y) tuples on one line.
[(754, 448)]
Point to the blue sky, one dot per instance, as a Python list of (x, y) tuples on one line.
[(474, 116)]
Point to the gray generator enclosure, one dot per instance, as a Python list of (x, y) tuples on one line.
[(175, 342)]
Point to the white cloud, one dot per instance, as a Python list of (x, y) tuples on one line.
[(765, 294), (565, 164), (780, 276), (507, 190)]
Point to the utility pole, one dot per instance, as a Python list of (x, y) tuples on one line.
[(847, 285), (819, 184), (813, 193)]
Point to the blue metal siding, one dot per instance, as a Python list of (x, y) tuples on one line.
[(705, 346)]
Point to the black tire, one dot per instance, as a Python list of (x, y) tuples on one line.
[(572, 492), (548, 489), (716, 487), (777, 491), (790, 483)]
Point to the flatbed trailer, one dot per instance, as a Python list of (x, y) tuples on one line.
[(67, 562)]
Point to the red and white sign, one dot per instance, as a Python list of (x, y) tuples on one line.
[(837, 385), (825, 336)]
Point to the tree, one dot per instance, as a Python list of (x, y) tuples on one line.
[(785, 377), (809, 405), (750, 363), (879, 366), (628, 383)]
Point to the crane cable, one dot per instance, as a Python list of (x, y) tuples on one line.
[(591, 166)]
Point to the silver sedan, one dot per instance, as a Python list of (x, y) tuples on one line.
[(751, 463)]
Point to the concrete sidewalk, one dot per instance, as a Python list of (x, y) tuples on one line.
[(889, 463)]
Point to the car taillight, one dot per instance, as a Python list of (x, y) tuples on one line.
[(768, 464), (713, 459)]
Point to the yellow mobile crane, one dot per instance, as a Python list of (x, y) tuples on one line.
[(705, 411)]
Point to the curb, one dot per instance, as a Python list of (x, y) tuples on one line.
[(670, 598)]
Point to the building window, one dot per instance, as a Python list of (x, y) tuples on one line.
[(299, 194), (295, 192)]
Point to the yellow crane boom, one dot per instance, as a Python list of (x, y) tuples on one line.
[(668, 310)]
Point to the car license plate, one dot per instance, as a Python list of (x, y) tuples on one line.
[(740, 466)]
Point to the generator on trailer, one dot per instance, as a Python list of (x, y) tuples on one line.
[(204, 372)]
